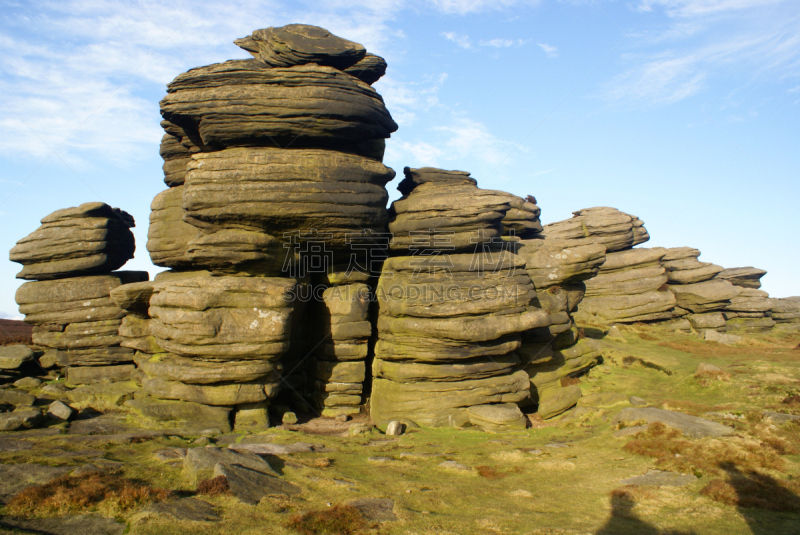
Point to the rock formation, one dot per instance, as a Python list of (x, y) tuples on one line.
[(453, 305), (551, 354), (786, 312), (615, 230), (69, 262), (274, 168)]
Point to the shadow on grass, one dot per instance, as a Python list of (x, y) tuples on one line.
[(767, 505), (623, 520)]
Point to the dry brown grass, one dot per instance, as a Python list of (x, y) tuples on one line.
[(214, 486), (490, 472), (648, 337), (567, 381), (792, 401), (88, 492), (708, 377), (338, 520), (755, 490), (320, 462), (674, 452)]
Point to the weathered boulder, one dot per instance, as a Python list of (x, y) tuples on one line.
[(223, 318), (752, 302), (746, 277), (89, 239), (446, 337), (683, 267), (176, 149), (169, 235), (369, 69), (786, 310), (762, 324), (497, 417), (445, 210), (299, 44), (342, 322), (609, 227), (708, 320), (77, 317), (245, 103), (629, 287), (552, 262), (14, 356), (705, 296), (261, 197)]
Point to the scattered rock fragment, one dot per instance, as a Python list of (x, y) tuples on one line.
[(250, 486), (691, 426)]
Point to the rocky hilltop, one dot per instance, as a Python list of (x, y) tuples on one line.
[(291, 287)]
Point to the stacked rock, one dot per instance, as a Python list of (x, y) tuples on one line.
[(786, 312), (630, 286), (745, 277), (70, 262), (273, 165), (452, 307), (340, 367), (615, 230), (551, 354), (750, 310), (688, 276)]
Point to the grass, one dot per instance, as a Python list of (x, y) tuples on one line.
[(753, 489), (520, 484), (674, 452), (94, 491), (337, 520), (214, 486)]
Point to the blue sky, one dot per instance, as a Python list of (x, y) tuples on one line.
[(682, 112)]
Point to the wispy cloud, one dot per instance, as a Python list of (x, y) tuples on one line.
[(463, 7), (551, 51), (407, 99), (694, 8), (706, 40), (504, 43), (462, 41)]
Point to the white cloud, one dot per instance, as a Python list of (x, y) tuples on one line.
[(694, 8), (707, 40), (416, 154), (551, 51), (466, 137), (461, 40), (463, 7), (407, 99), (504, 43)]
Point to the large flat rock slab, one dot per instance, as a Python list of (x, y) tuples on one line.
[(199, 460), (251, 486), (68, 525), (691, 426), (16, 477)]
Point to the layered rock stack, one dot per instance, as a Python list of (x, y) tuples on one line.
[(345, 329), (750, 311), (700, 298), (453, 303), (615, 230), (551, 354), (274, 167), (786, 312), (630, 285), (70, 263)]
